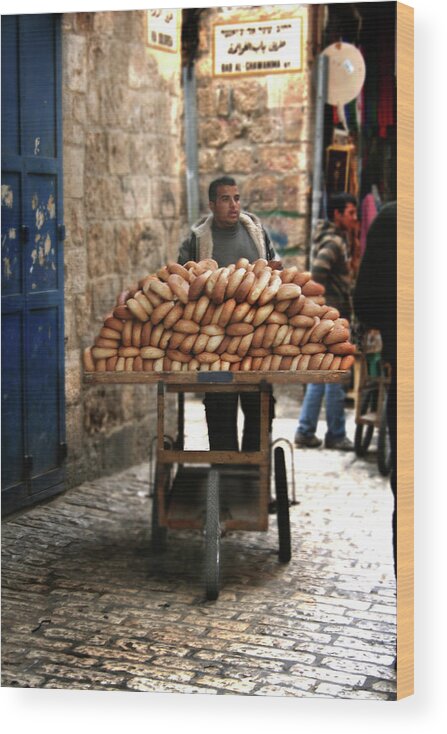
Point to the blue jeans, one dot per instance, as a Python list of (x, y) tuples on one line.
[(334, 395)]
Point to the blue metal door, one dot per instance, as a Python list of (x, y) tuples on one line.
[(33, 420)]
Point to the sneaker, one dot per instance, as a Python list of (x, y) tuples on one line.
[(310, 442), (341, 444)]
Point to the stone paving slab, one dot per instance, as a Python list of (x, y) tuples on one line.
[(87, 605)]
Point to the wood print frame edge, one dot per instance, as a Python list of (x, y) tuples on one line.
[(405, 350)]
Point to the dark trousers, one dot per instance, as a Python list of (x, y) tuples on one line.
[(392, 424), (221, 417)]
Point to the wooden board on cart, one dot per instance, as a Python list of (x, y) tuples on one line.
[(239, 498), (221, 379)]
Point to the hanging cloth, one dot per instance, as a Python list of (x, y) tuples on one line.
[(385, 107)]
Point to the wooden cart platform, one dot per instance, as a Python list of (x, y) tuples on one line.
[(219, 379)]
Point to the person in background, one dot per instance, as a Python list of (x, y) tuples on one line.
[(331, 268), (227, 234), (375, 305)]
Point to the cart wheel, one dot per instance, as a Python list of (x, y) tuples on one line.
[(384, 445), (212, 536), (282, 506), (158, 534), (363, 432)]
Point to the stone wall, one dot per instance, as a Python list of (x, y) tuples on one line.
[(258, 129), (121, 127)]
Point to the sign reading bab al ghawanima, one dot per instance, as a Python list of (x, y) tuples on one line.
[(259, 47)]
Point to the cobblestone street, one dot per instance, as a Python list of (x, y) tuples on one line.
[(87, 605)]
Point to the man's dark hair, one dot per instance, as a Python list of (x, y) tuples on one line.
[(214, 185), (339, 202)]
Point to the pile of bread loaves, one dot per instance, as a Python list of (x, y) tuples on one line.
[(247, 316)]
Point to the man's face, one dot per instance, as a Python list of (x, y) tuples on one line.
[(347, 219), (227, 207)]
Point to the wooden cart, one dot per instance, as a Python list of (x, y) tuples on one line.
[(216, 491)]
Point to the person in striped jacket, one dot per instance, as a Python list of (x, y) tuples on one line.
[(330, 266)]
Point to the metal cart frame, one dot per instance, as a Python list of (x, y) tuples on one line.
[(206, 493)]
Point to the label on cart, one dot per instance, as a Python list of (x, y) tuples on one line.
[(217, 377)]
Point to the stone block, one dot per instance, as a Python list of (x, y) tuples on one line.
[(175, 116), (82, 312), (67, 22), (136, 402), (103, 198), (119, 449), (214, 133), (238, 125), (206, 102), (286, 232), (165, 155), (116, 107), (249, 97), (278, 158), (293, 124), (261, 192), (296, 89), (118, 153), (123, 238), (101, 249), (208, 160), (148, 251), (289, 193), (136, 197), (104, 23), (73, 132), (75, 267), (73, 172), (73, 422), (83, 22), (79, 109), (101, 411), (265, 129), (296, 193), (75, 62), (96, 152), (74, 217), (138, 70), (130, 25), (238, 160), (93, 106), (223, 100), (104, 293), (73, 377)]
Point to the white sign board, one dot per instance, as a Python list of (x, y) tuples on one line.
[(163, 29), (260, 47)]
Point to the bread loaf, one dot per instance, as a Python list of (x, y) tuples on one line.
[(198, 286), (242, 316), (177, 269), (100, 342), (186, 327), (179, 287), (239, 329), (113, 323), (151, 353), (161, 311), (89, 362), (126, 338), (173, 315), (106, 333)]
